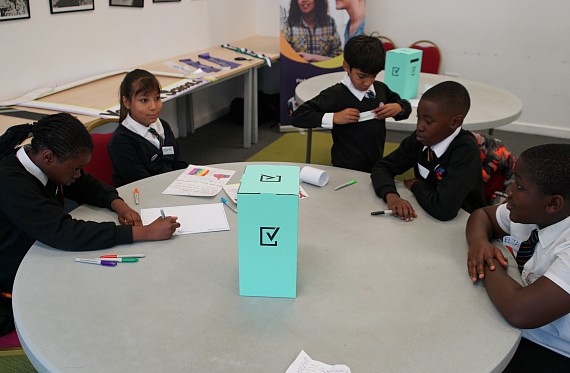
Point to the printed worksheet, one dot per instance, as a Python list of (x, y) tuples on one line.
[(304, 364), (200, 181)]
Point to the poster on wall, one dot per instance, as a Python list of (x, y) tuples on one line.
[(65, 6), (14, 9), (313, 34)]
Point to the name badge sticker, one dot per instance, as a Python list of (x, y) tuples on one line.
[(168, 150)]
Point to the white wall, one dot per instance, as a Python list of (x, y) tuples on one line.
[(519, 45), (49, 50)]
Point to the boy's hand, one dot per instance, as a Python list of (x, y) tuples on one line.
[(480, 254), (346, 116), (387, 110), (160, 229), (400, 207)]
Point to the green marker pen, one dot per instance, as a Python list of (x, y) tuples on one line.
[(122, 260), (345, 185)]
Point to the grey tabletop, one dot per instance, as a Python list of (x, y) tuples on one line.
[(490, 106), (373, 292)]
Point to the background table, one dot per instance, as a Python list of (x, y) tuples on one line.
[(490, 106), (248, 69), (94, 96), (374, 292)]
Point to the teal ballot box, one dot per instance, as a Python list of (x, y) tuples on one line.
[(402, 71), (268, 219)]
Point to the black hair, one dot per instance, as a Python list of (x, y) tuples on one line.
[(321, 11), (135, 82), (61, 133), (366, 53), (549, 168), (451, 94)]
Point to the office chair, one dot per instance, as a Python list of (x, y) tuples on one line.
[(100, 165), (431, 56)]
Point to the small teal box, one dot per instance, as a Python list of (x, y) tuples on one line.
[(402, 71), (268, 224)]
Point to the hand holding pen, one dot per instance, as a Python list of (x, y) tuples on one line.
[(160, 229)]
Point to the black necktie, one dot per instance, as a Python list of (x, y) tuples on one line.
[(370, 94), (155, 134), (526, 249)]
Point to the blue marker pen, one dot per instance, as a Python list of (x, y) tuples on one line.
[(225, 202)]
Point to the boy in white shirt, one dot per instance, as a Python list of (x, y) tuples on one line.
[(535, 222)]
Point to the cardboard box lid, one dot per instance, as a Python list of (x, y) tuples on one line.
[(270, 179), (407, 51)]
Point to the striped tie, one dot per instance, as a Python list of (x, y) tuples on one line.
[(526, 249), (155, 134), (430, 154), (370, 94)]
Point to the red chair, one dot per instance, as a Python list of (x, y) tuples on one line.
[(10, 342), (431, 56), (387, 43), (100, 165)]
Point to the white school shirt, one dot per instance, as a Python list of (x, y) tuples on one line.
[(142, 131), (327, 121), (551, 258)]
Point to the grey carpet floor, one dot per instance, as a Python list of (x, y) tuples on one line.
[(221, 141)]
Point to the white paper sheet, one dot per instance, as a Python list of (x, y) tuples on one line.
[(210, 217), (304, 364), (201, 181)]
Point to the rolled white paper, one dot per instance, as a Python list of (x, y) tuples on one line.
[(312, 175)]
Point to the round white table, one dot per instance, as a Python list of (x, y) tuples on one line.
[(490, 106), (374, 293)]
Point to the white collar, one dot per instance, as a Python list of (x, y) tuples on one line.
[(141, 130), (31, 166), (548, 235), (442, 146), (356, 92)]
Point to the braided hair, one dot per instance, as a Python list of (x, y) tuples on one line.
[(135, 82), (61, 133)]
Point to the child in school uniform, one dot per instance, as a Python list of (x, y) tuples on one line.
[(356, 108), (143, 145), (535, 222), (35, 179), (445, 159)]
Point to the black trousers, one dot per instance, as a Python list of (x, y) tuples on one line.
[(531, 357)]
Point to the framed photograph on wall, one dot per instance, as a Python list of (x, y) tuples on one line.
[(65, 6), (133, 3), (14, 9)]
